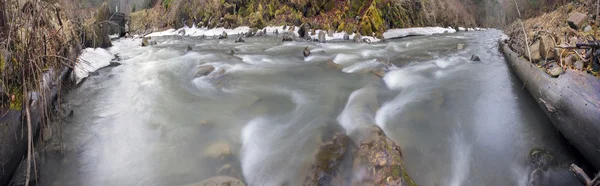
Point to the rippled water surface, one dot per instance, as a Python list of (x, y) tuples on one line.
[(153, 121)]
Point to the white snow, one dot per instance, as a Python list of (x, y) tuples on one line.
[(389, 34), (91, 60), (417, 31)]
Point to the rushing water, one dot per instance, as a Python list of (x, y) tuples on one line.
[(153, 121)]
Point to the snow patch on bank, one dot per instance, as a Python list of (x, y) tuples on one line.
[(417, 31), (91, 60), (338, 36)]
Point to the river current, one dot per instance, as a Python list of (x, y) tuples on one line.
[(154, 121)]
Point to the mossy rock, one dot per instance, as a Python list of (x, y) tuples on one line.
[(383, 158), (541, 159)]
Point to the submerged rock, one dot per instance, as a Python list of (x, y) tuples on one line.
[(188, 48), (204, 70), (460, 46), (306, 52), (379, 73), (239, 40), (541, 159), (219, 181), (218, 150), (328, 159), (288, 36), (228, 170), (334, 66), (475, 58)]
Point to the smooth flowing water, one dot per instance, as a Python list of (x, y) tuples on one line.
[(154, 121)]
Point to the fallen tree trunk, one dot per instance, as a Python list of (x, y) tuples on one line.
[(571, 101)]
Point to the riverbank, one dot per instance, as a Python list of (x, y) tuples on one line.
[(40, 43), (562, 77), (550, 35)]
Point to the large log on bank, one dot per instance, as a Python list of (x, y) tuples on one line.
[(571, 101)]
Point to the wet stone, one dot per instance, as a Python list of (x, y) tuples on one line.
[(475, 58), (306, 52)]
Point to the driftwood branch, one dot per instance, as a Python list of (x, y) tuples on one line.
[(583, 177)]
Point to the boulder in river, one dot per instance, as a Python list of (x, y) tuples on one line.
[(288, 36), (328, 159), (239, 40), (346, 36), (217, 150), (223, 35), (306, 52), (357, 38), (379, 73), (379, 160), (303, 31), (475, 58), (322, 38), (219, 181), (251, 32), (334, 66), (188, 48), (576, 20), (145, 42), (205, 70)]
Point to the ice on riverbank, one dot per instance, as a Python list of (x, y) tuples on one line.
[(91, 60), (338, 36)]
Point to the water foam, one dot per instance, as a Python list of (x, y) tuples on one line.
[(356, 113)]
